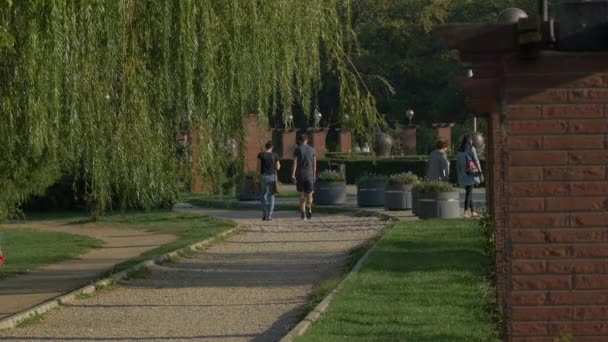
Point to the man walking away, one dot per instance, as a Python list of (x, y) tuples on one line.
[(303, 174)]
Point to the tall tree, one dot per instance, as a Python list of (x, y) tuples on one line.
[(100, 89)]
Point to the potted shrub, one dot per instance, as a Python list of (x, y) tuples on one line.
[(437, 199), (330, 188), (398, 194), (249, 189), (370, 190)]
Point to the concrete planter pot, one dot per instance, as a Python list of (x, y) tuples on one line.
[(330, 193), (249, 191), (398, 197), (441, 205), (371, 194), (414, 201)]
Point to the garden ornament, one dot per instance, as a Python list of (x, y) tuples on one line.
[(289, 122), (318, 117)]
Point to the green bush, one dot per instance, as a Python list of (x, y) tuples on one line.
[(372, 178), (331, 176), (355, 169), (404, 178), (434, 186)]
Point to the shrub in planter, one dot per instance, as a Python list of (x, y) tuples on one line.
[(398, 194), (437, 200), (330, 188), (370, 190), (249, 188)]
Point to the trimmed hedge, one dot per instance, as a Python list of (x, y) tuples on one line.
[(356, 169)]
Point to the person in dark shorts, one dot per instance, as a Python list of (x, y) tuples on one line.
[(303, 174), (268, 164)]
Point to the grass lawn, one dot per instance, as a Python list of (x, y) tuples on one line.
[(425, 281), (190, 228), (29, 249)]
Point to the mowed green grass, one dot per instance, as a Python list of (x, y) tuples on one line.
[(189, 229), (28, 249), (424, 281)]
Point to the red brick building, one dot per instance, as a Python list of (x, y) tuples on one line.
[(548, 176)]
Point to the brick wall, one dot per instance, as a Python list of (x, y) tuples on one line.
[(549, 144), (256, 136)]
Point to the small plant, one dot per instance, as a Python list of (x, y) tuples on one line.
[(371, 178), (31, 320), (83, 296), (331, 176), (434, 186), (405, 178)]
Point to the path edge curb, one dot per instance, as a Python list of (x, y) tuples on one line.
[(314, 315), (42, 308)]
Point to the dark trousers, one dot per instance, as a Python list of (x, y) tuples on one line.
[(468, 198)]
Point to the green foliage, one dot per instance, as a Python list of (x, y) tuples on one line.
[(331, 176), (488, 230), (372, 177), (434, 186), (404, 178), (100, 90)]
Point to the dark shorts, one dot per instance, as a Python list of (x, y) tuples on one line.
[(305, 185)]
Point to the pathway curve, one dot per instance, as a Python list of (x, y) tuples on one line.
[(25, 291), (252, 287)]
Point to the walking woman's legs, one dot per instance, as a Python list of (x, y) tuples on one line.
[(264, 197), (468, 200), (270, 201)]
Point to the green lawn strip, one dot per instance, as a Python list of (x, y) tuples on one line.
[(28, 249), (322, 290), (189, 228), (187, 196), (424, 281)]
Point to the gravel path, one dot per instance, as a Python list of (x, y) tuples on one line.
[(25, 291), (250, 288)]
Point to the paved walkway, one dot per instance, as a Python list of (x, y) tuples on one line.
[(25, 291), (251, 287)]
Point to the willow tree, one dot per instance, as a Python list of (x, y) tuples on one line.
[(100, 89)]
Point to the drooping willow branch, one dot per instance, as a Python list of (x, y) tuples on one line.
[(100, 89)]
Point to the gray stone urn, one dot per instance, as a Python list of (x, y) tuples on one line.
[(330, 193), (383, 144), (398, 197), (440, 205), (414, 201), (249, 190), (371, 194), (480, 144)]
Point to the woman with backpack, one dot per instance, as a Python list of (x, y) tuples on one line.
[(268, 165), (469, 172)]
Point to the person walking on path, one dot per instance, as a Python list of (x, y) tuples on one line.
[(469, 172), (438, 168), (268, 164), (303, 174)]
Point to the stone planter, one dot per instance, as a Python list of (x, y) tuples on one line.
[(330, 193), (398, 197), (371, 194), (414, 201), (441, 205), (249, 191)]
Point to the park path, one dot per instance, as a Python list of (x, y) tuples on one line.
[(27, 290), (251, 287)]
